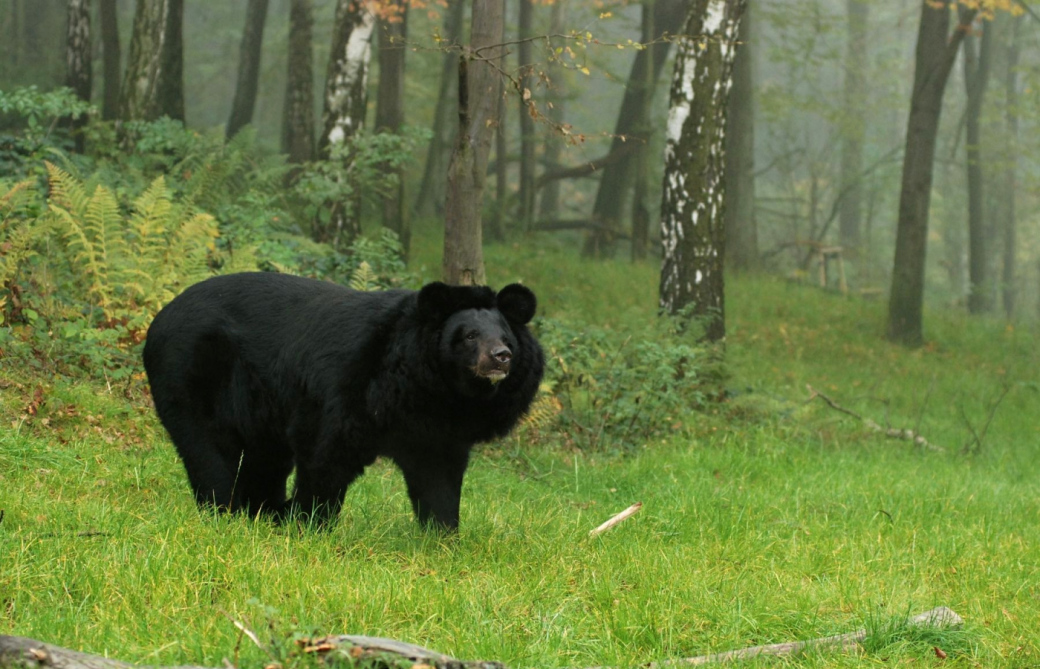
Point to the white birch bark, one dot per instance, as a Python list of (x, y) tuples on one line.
[(692, 210), (344, 112)]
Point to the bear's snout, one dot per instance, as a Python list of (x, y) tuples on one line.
[(502, 354)]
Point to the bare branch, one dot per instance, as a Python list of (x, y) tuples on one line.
[(891, 433)]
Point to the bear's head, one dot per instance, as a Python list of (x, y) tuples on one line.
[(479, 344)]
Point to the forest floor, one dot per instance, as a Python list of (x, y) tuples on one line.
[(766, 518)]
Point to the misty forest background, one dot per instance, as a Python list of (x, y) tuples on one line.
[(820, 109)]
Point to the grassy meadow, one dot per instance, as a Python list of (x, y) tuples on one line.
[(766, 518)]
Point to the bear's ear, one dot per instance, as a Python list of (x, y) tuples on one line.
[(435, 301), (517, 303)]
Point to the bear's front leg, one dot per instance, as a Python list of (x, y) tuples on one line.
[(435, 488)]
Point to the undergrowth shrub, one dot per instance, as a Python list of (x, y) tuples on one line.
[(30, 126), (83, 271), (616, 390)]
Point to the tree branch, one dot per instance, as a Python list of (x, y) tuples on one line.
[(891, 433), (588, 168)]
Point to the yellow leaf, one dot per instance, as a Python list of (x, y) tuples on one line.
[(584, 70), (606, 15)]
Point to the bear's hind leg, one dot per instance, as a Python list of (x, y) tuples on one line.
[(260, 487), (211, 459)]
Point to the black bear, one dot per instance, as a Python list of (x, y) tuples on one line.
[(254, 374)]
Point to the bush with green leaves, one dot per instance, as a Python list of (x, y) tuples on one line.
[(616, 390), (366, 163), (30, 126)]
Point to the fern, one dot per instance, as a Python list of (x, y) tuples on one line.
[(132, 265), (65, 190), (544, 410), (19, 234), (364, 278)]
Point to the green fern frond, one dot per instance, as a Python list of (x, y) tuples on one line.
[(364, 278), (14, 198), (65, 189)]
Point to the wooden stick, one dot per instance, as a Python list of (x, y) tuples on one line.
[(937, 617), (627, 513)]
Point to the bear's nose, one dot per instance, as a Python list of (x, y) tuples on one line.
[(502, 354)]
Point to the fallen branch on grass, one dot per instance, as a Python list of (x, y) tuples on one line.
[(374, 652), (21, 653), (617, 518), (937, 617), (890, 432)]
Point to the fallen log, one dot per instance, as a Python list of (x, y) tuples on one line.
[(378, 653), (374, 652)]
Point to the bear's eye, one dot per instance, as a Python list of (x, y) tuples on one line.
[(471, 336)]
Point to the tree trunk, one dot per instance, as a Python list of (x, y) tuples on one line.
[(549, 204), (741, 228), (144, 66), (248, 67), (693, 198), (853, 122), (298, 114), (110, 53), (345, 101), (496, 226), (171, 83), (640, 209), (1011, 168), (523, 50), (463, 252), (976, 77), (935, 55), (431, 190), (390, 108), (613, 185), (78, 61)]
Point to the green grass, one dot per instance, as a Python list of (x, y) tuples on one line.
[(765, 519)]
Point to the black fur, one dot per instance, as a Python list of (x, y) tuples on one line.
[(255, 374)]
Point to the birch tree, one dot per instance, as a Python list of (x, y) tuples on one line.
[(692, 202), (344, 111), (478, 85), (78, 60), (153, 84), (140, 89)]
